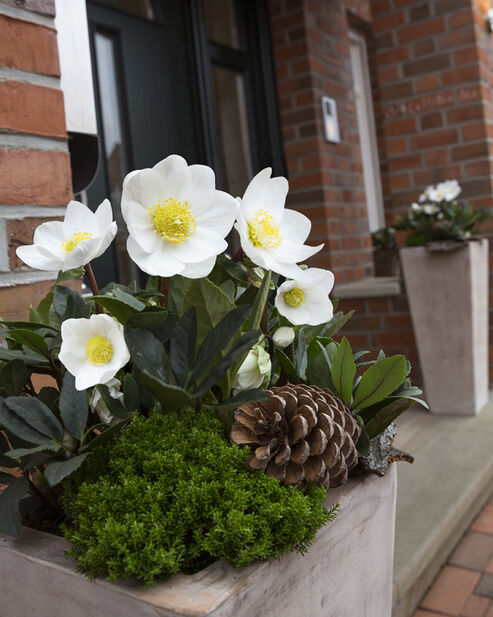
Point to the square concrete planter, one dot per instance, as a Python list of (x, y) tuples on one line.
[(448, 297), (346, 573)]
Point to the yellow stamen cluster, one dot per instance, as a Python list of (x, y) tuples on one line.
[(263, 231), (74, 240), (173, 220), (99, 350), (294, 297)]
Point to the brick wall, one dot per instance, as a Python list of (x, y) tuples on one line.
[(35, 179), (311, 54)]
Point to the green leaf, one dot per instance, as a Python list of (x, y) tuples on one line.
[(211, 305), (70, 275), (287, 366), (69, 304), (13, 376), (258, 307), (74, 407), (239, 348), (57, 470), (5, 461), (131, 393), (106, 435), (363, 445), (301, 355), (247, 396), (182, 347), (115, 407), (219, 339), (27, 325), (10, 517), (120, 304), (171, 398), (30, 419), (6, 478), (30, 339), (384, 416), (21, 452), (146, 351), (29, 358), (318, 368), (343, 370), (379, 381)]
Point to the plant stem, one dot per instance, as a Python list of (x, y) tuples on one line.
[(93, 285), (163, 287), (46, 498)]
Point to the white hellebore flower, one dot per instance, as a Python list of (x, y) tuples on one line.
[(307, 301), (97, 404), (416, 207), (444, 191), (82, 236), (93, 349), (272, 236), (283, 337), (176, 218), (431, 209), (254, 370)]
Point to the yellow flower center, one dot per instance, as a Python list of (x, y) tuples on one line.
[(294, 297), (173, 220), (263, 230), (99, 350), (75, 239)]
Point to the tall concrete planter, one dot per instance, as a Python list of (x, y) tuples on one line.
[(346, 573), (448, 297)]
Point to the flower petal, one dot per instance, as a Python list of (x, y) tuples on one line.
[(31, 256), (78, 218), (107, 240), (199, 270), (295, 226), (103, 216), (156, 263), (81, 254), (265, 193), (170, 165)]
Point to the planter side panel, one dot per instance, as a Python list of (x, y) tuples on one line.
[(447, 295)]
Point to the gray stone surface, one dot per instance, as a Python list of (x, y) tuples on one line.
[(346, 573), (438, 496), (448, 298), (485, 586)]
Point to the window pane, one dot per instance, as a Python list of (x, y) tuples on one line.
[(220, 22), (114, 151), (233, 137), (139, 8)]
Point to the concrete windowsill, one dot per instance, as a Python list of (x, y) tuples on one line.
[(370, 287)]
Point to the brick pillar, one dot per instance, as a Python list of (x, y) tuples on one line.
[(435, 113), (312, 59), (35, 177)]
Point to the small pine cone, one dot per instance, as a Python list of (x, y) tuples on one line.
[(300, 434)]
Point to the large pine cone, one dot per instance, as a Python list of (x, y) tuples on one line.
[(300, 434)]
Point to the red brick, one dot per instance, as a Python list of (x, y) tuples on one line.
[(464, 114), (470, 151), (46, 7), (20, 232), (15, 301), (400, 127), (31, 109), (35, 177), (473, 131), (427, 82), (27, 46), (466, 56), (398, 322), (463, 18), (451, 590), (421, 30), (388, 22), (438, 62), (436, 157), (394, 339), (436, 138), (380, 305), (461, 75)]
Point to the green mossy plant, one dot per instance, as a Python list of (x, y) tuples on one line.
[(172, 495)]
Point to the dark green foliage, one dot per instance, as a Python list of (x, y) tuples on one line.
[(175, 496)]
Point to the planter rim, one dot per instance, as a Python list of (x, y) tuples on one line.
[(195, 595)]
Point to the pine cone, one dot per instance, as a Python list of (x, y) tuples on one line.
[(300, 434)]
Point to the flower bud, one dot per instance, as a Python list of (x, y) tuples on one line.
[(283, 337), (254, 371)]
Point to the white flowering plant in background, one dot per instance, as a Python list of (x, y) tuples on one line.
[(439, 216), (208, 329)]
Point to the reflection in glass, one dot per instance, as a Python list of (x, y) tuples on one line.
[(232, 124), (233, 136), (220, 21), (116, 164)]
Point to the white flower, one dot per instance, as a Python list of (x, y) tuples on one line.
[(93, 349), (176, 218), (444, 191), (82, 236), (416, 207), (424, 195), (254, 370), (97, 404), (283, 337), (272, 236), (307, 301), (431, 209)]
